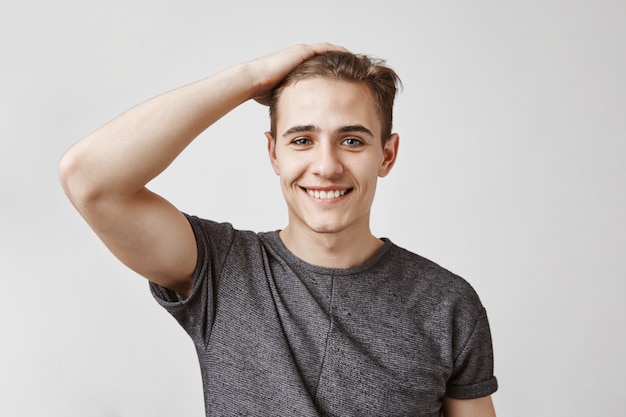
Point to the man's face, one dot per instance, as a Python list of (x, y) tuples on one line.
[(328, 154)]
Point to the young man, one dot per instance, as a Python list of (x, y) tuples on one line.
[(322, 317)]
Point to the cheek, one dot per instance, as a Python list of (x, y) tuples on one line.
[(287, 170), (368, 170), (289, 166)]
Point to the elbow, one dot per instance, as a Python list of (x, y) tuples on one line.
[(74, 179)]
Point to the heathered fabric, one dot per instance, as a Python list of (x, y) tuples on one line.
[(277, 336)]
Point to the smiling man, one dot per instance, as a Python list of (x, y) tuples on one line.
[(321, 317), (329, 154)]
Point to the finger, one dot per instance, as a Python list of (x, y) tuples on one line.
[(322, 47)]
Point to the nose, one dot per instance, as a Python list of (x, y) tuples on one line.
[(327, 163)]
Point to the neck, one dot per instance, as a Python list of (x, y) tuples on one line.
[(331, 250)]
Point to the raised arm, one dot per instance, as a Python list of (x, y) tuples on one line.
[(104, 175)]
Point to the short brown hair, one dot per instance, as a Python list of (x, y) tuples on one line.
[(381, 80)]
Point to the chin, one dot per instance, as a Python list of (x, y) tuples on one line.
[(325, 231), (326, 228)]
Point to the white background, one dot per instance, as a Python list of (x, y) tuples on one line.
[(512, 173)]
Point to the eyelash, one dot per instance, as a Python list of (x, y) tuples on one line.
[(299, 141)]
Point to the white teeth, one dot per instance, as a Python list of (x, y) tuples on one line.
[(325, 195)]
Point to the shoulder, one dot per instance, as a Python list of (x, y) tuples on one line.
[(427, 271), (431, 282)]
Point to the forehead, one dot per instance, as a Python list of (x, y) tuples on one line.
[(328, 104)]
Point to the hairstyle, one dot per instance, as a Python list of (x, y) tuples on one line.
[(382, 81)]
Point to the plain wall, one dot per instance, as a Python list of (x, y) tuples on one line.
[(512, 173)]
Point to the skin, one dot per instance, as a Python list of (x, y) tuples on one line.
[(105, 174), (478, 407)]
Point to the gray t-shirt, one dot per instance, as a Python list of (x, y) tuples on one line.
[(276, 336)]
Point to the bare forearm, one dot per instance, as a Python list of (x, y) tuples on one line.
[(125, 154)]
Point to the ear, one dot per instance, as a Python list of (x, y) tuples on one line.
[(390, 153), (271, 151)]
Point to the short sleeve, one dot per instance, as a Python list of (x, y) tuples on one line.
[(473, 369), (195, 313)]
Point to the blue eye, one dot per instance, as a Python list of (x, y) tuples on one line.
[(353, 142), (301, 141)]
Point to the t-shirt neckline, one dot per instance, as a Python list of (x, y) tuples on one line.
[(276, 243)]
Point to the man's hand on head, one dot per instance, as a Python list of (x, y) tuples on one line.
[(270, 70)]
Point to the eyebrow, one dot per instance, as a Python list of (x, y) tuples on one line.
[(355, 128), (342, 129), (300, 129)]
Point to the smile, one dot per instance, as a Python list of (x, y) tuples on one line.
[(326, 195)]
